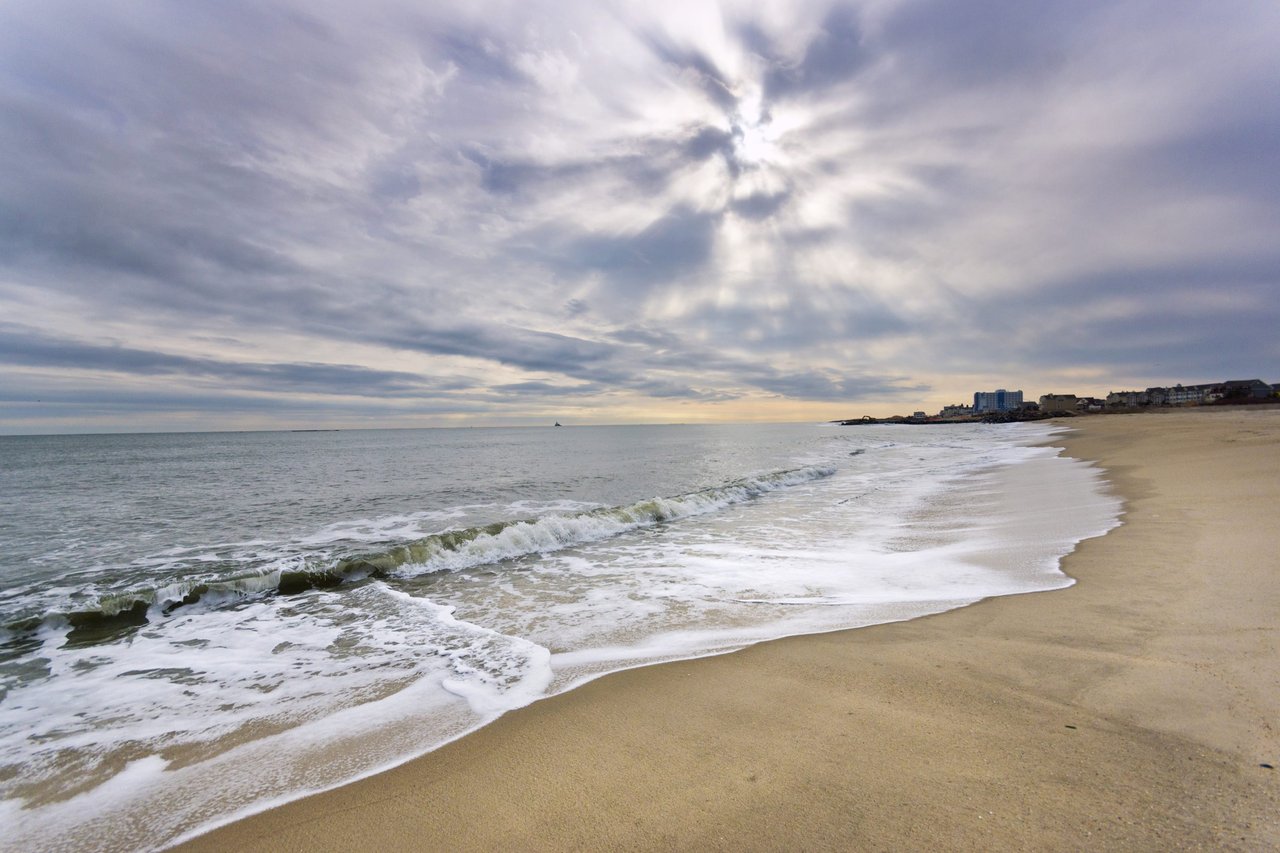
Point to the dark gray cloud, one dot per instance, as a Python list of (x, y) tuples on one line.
[(21, 348), (834, 55), (651, 167), (1238, 155), (548, 389), (833, 386), (1210, 321), (86, 409), (760, 205), (523, 348), (709, 141), (676, 245), (984, 42), (477, 54), (483, 211), (696, 65)]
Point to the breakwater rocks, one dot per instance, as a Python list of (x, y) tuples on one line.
[(989, 418)]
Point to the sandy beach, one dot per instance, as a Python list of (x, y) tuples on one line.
[(1135, 710)]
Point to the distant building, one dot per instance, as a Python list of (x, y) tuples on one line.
[(1187, 395), (999, 400), (1212, 392), (1059, 402), (1127, 399), (1191, 395), (960, 410), (1235, 389)]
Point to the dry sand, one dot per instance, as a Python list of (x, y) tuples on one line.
[(1132, 711)]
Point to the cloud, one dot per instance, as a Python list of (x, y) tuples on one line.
[(835, 54), (676, 245), (494, 209), (832, 386), (1111, 320), (23, 348), (762, 205)]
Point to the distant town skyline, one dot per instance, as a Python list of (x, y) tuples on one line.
[(1009, 404), (293, 214)]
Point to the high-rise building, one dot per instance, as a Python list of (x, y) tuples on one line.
[(998, 400)]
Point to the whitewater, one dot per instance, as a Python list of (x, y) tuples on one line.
[(194, 627)]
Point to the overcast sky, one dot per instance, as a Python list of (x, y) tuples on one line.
[(288, 214)]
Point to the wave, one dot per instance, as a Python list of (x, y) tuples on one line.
[(461, 549), (452, 550)]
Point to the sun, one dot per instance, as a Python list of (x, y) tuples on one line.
[(754, 143), (755, 133)]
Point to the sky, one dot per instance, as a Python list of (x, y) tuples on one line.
[(314, 214)]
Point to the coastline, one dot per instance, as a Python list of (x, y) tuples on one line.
[(1130, 710)]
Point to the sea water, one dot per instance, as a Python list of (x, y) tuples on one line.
[(196, 626)]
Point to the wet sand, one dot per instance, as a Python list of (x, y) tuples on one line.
[(1131, 711)]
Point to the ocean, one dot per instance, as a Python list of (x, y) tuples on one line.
[(196, 626)]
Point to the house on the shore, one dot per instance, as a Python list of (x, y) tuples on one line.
[(1127, 399), (1241, 389), (1059, 402), (1157, 396), (1233, 390), (1187, 395)]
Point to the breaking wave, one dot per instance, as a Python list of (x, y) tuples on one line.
[(451, 550)]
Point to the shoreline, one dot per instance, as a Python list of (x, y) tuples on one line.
[(1129, 710)]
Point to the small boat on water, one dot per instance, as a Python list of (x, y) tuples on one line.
[(559, 424)]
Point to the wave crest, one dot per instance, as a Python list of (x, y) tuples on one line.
[(451, 550)]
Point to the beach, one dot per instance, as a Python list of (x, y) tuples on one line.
[(1133, 710)]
